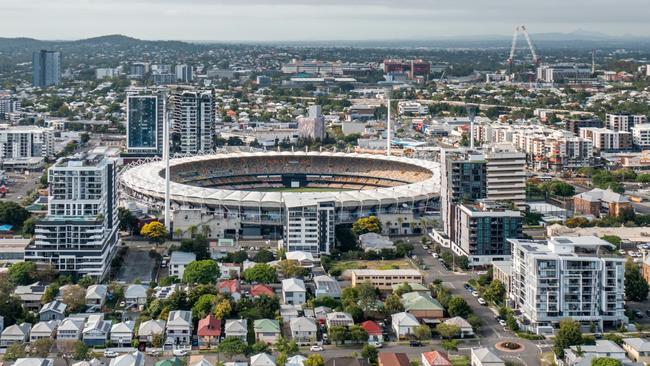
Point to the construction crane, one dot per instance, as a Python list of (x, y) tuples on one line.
[(521, 30)]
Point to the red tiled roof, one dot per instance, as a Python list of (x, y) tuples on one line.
[(259, 290), (393, 359), (209, 326), (436, 358), (371, 327), (231, 285)]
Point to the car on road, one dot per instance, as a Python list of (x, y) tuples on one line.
[(415, 344), (316, 348), (474, 293), (503, 322), (375, 344), (154, 353), (178, 352), (482, 301), (434, 254), (110, 354), (638, 314)]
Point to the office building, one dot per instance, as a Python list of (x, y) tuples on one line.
[(21, 142), (106, 73), (625, 121), (506, 175), (46, 68), (574, 125), (138, 69), (313, 126), (194, 114), (312, 67), (563, 73), (482, 231), (184, 73), (641, 135), (144, 123), (568, 277), (606, 139), (7, 106), (79, 235), (163, 78)]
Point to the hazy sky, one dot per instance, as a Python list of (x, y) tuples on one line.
[(315, 19)]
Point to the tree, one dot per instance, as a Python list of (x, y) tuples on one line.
[(262, 273), (15, 351), (75, 297), (12, 213), (204, 305), (128, 221), (259, 347), (450, 345), (612, 239), (198, 245), (29, 226), (393, 304), (358, 334), (569, 334), (22, 273), (80, 351), (237, 257), (403, 249), (403, 289), (448, 331), (86, 281), (495, 292), (314, 360), (355, 311), (337, 334), (285, 346), (636, 287), (422, 332), (511, 323), (202, 272), (363, 225), (605, 361), (458, 307), (291, 268), (263, 256), (154, 231), (232, 346), (223, 309), (157, 340), (281, 360), (41, 347), (369, 352)]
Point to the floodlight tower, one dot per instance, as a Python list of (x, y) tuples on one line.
[(166, 153)]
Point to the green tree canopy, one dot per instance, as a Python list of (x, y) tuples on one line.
[(569, 334), (201, 272), (12, 213), (448, 330), (262, 273), (636, 287), (363, 225), (458, 307), (22, 273)]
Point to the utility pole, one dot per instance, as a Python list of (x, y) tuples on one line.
[(388, 130)]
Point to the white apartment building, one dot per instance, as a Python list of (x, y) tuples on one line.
[(105, 73), (412, 107), (506, 175), (641, 135), (624, 122), (567, 277), (309, 228), (79, 235), (19, 142), (606, 139), (194, 120)]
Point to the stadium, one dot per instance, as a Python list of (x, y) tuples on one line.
[(284, 195)]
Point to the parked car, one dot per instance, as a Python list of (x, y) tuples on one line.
[(474, 293), (434, 254), (178, 352), (375, 344), (110, 354), (154, 353), (482, 301), (316, 348), (502, 322), (415, 344)]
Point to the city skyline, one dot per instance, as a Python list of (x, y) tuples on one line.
[(258, 20)]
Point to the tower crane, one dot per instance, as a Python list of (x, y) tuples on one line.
[(521, 30)]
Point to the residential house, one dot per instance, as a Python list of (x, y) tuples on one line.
[(136, 295), (404, 325), (17, 333), (304, 259), (339, 318), (179, 327), (266, 330), (375, 333), (237, 328), (96, 330), (197, 360), (209, 331), (466, 329), (129, 359), (175, 361), (30, 295), (262, 359), (346, 361), (320, 313), (603, 348), (422, 305), (70, 329), (230, 287), (288, 312), (484, 357), (327, 286), (178, 261), (229, 270), (96, 295), (93, 362), (53, 310), (303, 330), (638, 349), (32, 361), (601, 202), (149, 328), (435, 358), (293, 291), (43, 329), (261, 290), (393, 359), (122, 333)]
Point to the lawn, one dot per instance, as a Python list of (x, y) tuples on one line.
[(459, 360)]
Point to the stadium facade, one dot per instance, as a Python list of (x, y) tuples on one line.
[(298, 197)]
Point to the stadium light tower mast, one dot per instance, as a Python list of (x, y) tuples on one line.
[(388, 120), (521, 30), (166, 153)]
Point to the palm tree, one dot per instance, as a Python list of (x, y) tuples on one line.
[(206, 231), (178, 233), (193, 229)]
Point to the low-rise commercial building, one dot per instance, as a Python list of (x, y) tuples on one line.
[(385, 279)]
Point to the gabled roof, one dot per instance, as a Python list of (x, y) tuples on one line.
[(293, 285), (97, 323), (605, 195), (404, 319), (136, 291), (297, 360), (418, 301), (484, 355), (123, 327), (179, 318), (71, 324), (209, 327), (371, 327), (266, 326), (236, 325), (458, 321), (340, 316), (182, 258), (436, 358), (151, 327), (130, 359), (393, 359), (55, 306), (96, 292), (638, 344), (45, 327), (33, 362), (299, 256), (259, 290), (262, 359), (202, 362), (232, 286), (170, 362), (302, 324), (17, 330)]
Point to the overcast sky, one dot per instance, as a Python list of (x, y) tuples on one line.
[(269, 20)]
